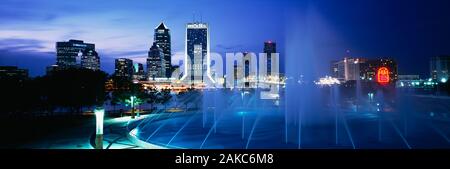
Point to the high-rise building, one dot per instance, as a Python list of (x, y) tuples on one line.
[(90, 60), (352, 69), (162, 39), (139, 72), (249, 72), (155, 62), (69, 53), (347, 69), (369, 69), (269, 48), (124, 68), (197, 52), (439, 68), (13, 72)]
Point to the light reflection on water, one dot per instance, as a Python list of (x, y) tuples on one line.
[(231, 122)]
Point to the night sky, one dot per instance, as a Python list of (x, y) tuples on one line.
[(409, 31)]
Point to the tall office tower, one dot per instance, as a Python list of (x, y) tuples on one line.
[(67, 53), (439, 68), (249, 72), (139, 72), (124, 68), (90, 60), (269, 48), (197, 52), (162, 39), (155, 62)]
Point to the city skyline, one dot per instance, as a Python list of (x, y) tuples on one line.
[(121, 26), (235, 75)]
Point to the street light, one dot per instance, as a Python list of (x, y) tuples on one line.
[(133, 101), (132, 98), (99, 115)]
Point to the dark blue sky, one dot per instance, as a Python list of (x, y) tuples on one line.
[(409, 31)]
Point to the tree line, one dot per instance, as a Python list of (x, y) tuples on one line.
[(71, 90)]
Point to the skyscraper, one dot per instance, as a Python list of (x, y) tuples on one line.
[(67, 53), (124, 68), (162, 39), (439, 68), (249, 72), (90, 60), (197, 52), (269, 48), (139, 73), (155, 62)]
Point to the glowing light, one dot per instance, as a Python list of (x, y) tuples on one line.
[(134, 132), (133, 101), (242, 113), (136, 67), (370, 96), (443, 80), (99, 115), (383, 75), (328, 81)]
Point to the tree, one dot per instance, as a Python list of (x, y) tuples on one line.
[(129, 94), (75, 88)]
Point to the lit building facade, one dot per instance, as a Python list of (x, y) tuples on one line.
[(269, 48), (370, 68), (90, 60), (347, 69), (197, 53), (439, 68), (69, 53), (162, 39), (13, 72), (124, 68), (139, 72), (249, 73), (352, 69), (155, 63)]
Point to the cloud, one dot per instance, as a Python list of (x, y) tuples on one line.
[(17, 44), (14, 11), (124, 54)]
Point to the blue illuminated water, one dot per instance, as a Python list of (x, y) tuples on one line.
[(265, 127), (307, 116)]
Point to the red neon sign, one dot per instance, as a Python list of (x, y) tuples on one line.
[(383, 75)]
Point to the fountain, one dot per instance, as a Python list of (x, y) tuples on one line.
[(306, 116)]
